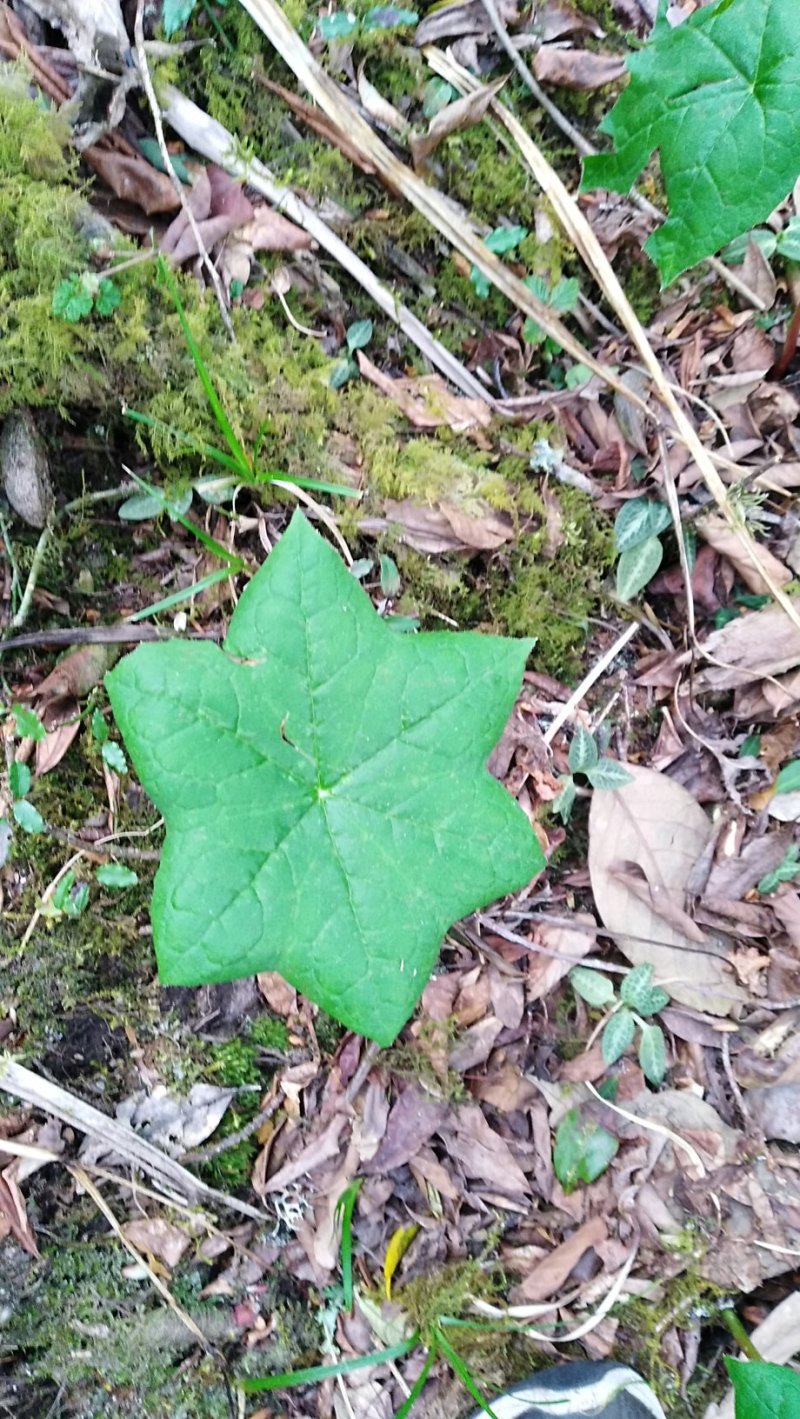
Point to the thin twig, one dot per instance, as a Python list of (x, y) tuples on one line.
[(214, 1150), (362, 1073), (588, 680), (155, 109), (121, 634)]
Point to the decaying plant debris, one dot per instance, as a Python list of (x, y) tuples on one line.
[(171, 1159)]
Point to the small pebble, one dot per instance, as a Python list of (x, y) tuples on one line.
[(24, 470)]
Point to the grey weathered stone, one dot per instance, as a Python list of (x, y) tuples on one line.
[(24, 470)]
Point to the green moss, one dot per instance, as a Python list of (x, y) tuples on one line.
[(105, 1340), (682, 1302), (552, 597)]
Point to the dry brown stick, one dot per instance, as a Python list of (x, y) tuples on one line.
[(118, 1137)]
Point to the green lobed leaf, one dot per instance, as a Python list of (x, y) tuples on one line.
[(764, 1391), (608, 774), (108, 297), (717, 97), (653, 1053), (388, 17), (591, 986), (71, 300), (323, 782), (637, 521), (113, 757), (583, 752), (618, 1035), (504, 239), (637, 567), (582, 1151)]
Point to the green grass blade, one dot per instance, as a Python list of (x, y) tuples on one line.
[(344, 1210), (177, 597), (457, 1365), (406, 1408), (289, 1378), (196, 445), (223, 422)]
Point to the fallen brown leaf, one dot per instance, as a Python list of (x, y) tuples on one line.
[(426, 401), (654, 828), (548, 1276), (462, 113), (576, 68)]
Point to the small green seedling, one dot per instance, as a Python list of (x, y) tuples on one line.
[(69, 898), (585, 760), (764, 1391), (502, 241), (358, 336), (27, 726), (83, 294), (638, 999), (340, 1298), (637, 530)]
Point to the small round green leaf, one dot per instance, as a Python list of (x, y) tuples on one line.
[(115, 875), (28, 817), (19, 778), (591, 986), (637, 567), (29, 725), (618, 1035), (113, 757), (338, 25), (653, 1053)]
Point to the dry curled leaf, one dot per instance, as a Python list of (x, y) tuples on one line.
[(453, 118), (576, 68), (652, 832)]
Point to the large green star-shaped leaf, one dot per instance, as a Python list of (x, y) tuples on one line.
[(718, 97), (329, 813)]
